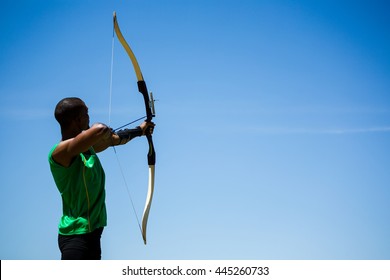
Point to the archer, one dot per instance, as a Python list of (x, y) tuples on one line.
[(80, 178)]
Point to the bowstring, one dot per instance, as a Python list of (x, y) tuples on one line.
[(109, 124), (111, 74)]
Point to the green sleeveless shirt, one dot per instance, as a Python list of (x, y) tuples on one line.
[(82, 188)]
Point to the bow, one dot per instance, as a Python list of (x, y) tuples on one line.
[(149, 107)]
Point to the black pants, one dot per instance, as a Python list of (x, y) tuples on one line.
[(81, 246)]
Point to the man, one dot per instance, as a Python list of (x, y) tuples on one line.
[(80, 177)]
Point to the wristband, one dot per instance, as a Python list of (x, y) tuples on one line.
[(128, 134)]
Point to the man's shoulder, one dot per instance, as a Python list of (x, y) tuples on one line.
[(52, 150)]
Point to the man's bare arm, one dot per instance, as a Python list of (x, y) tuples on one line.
[(104, 143), (68, 149), (122, 137)]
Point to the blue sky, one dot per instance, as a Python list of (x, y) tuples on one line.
[(272, 136)]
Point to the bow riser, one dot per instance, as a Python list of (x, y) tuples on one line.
[(144, 91)]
